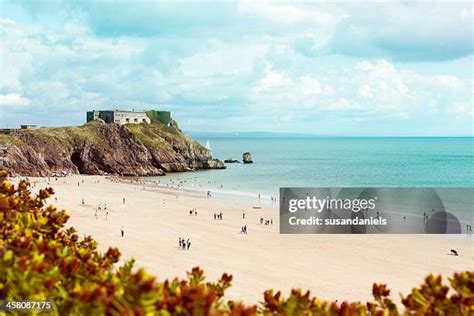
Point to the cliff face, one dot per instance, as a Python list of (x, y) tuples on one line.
[(99, 148)]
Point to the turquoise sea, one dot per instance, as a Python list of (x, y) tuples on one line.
[(335, 162)]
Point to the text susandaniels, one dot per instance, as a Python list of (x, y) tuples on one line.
[(315, 221), (317, 204)]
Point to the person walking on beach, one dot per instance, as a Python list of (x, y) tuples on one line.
[(122, 231), (179, 242), (243, 215), (82, 201), (96, 214), (188, 243), (123, 200), (106, 215), (261, 220)]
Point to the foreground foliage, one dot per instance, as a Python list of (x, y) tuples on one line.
[(42, 260)]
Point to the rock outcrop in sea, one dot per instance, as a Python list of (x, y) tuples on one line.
[(231, 160), (97, 148), (247, 157)]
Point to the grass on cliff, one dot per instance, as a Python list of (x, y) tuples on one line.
[(155, 135), (161, 136), (57, 135), (7, 140), (151, 135)]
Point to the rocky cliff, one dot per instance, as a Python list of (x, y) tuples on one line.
[(100, 149)]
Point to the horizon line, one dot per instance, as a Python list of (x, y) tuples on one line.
[(302, 134)]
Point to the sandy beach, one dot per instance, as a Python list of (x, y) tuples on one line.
[(331, 266)]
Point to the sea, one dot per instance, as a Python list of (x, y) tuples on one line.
[(336, 162), (437, 162)]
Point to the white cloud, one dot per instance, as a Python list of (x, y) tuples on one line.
[(381, 66), (224, 58), (372, 88), (13, 99), (365, 90), (462, 110), (272, 79), (343, 104), (291, 13), (448, 81), (310, 86), (277, 12), (6, 21)]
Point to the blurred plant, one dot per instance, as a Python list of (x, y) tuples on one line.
[(42, 260)]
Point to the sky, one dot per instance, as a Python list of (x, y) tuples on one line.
[(324, 68)]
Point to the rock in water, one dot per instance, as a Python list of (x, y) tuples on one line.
[(231, 160), (247, 158)]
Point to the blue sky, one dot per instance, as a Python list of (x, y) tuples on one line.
[(345, 68)]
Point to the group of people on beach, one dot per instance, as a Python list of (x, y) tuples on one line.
[(106, 214), (218, 216), (184, 244), (243, 229), (468, 229), (99, 207), (193, 211), (266, 221)]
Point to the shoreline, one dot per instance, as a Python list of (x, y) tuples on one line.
[(194, 188), (331, 266)]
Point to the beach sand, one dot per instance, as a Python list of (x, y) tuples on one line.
[(341, 267)]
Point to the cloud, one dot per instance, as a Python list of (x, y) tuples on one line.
[(462, 110), (448, 81), (368, 89), (222, 58), (272, 79), (13, 99), (6, 21), (380, 66), (365, 90), (258, 62), (394, 30), (310, 86)]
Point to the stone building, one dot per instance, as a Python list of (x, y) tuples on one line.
[(119, 116), (28, 126)]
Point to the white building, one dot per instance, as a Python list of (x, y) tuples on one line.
[(119, 116)]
